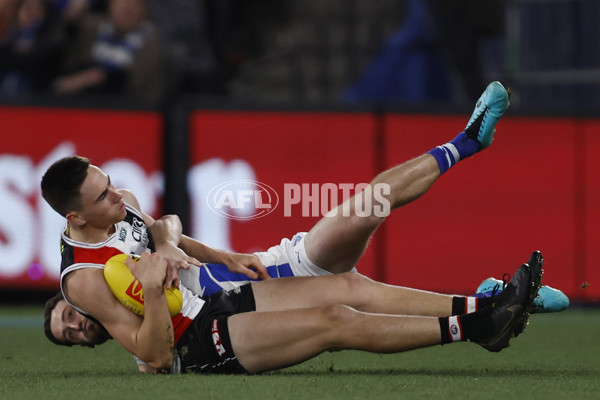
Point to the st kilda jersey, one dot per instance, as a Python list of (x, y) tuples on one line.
[(131, 236)]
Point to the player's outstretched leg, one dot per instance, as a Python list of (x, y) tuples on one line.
[(354, 290), (286, 337), (338, 240)]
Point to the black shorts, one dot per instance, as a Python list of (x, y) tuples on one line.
[(205, 346)]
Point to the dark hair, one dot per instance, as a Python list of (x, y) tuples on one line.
[(50, 305), (62, 182)]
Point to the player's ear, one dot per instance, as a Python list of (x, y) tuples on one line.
[(74, 218)]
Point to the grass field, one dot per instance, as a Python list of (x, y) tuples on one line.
[(558, 357)]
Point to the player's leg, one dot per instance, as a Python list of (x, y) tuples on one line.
[(338, 240), (363, 294), (269, 340), (281, 339), (354, 290), (265, 341)]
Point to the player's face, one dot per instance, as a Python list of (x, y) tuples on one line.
[(68, 326), (102, 204)]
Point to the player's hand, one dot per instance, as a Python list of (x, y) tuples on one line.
[(150, 270), (247, 264), (176, 258)]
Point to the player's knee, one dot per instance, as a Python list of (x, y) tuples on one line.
[(366, 206), (352, 281), (337, 324), (337, 315)]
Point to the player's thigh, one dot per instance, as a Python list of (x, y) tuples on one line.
[(337, 242), (265, 341), (349, 289)]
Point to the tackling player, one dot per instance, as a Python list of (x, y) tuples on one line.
[(277, 323), (97, 214)]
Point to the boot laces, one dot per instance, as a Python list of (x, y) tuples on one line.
[(505, 280)]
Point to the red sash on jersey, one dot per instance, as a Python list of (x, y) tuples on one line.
[(180, 324), (98, 256)]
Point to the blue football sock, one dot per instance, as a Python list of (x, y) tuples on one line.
[(452, 152)]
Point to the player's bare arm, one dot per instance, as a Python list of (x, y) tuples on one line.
[(247, 264), (155, 340), (87, 289), (181, 250)]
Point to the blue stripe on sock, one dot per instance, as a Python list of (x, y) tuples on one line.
[(444, 158)]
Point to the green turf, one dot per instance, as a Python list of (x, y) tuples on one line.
[(556, 358)]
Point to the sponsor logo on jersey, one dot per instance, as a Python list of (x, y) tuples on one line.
[(122, 234), (138, 229)]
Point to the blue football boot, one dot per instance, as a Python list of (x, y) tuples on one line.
[(489, 108)]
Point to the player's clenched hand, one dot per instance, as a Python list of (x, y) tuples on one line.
[(247, 264), (176, 258)]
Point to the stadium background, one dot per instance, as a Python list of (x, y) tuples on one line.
[(297, 112)]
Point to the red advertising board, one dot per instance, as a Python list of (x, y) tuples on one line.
[(290, 152), (485, 216), (125, 144), (588, 211), (535, 188)]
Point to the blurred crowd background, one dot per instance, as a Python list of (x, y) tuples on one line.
[(340, 51)]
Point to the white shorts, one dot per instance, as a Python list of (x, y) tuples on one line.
[(286, 259)]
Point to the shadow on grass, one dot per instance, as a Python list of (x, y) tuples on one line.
[(88, 373), (466, 373), (128, 373)]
